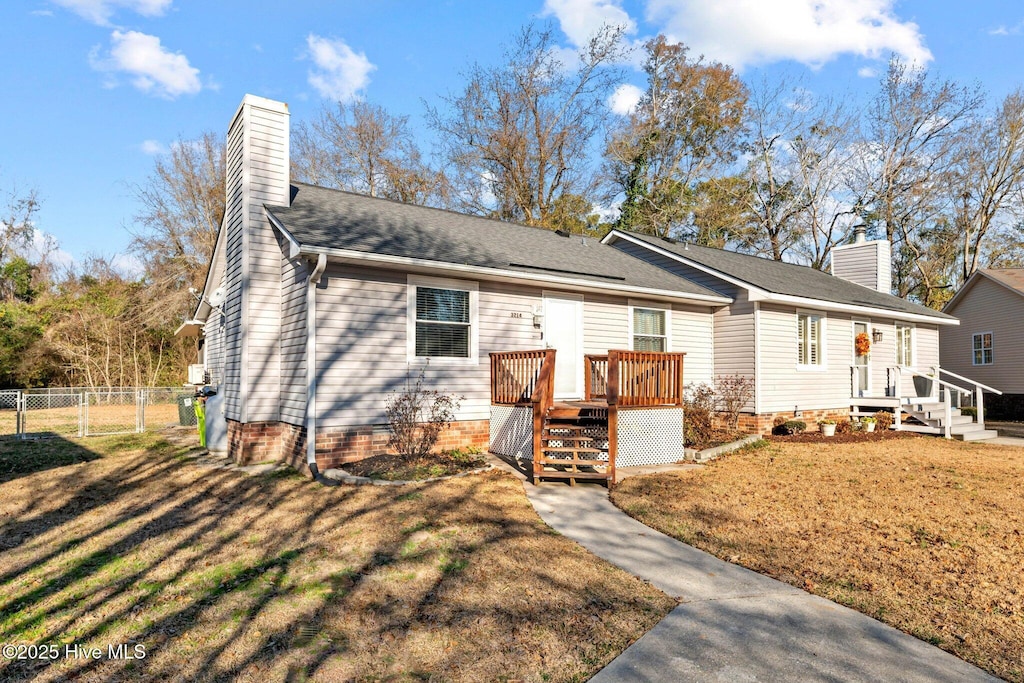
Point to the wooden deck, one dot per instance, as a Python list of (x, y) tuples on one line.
[(578, 439)]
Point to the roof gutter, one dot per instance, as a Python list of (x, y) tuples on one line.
[(311, 284), (405, 262), (823, 305)]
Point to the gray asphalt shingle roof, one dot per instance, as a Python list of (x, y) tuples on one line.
[(790, 279), (324, 218)]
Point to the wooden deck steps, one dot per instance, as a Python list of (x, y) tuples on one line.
[(568, 445)]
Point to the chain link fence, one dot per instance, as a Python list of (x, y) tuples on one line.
[(80, 411)]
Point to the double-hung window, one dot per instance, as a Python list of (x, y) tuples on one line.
[(904, 344), (810, 333), (983, 348), (650, 329), (441, 318)]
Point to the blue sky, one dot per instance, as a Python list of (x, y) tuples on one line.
[(93, 88)]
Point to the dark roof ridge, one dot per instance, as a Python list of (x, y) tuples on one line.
[(686, 244), (433, 208)]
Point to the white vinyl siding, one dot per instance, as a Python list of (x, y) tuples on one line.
[(810, 332), (213, 334), (362, 341), (293, 340), (692, 332), (256, 174), (983, 349), (782, 388)]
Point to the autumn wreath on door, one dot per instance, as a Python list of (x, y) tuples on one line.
[(862, 344)]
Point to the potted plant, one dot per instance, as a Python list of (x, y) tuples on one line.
[(827, 427), (869, 423)]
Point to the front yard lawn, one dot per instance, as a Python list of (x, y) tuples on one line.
[(223, 576), (923, 534)]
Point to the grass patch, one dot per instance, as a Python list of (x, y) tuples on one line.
[(923, 534), (223, 576)]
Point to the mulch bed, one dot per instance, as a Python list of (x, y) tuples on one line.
[(848, 437), (400, 468)]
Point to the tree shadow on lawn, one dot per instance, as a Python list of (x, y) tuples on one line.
[(20, 457), (226, 576)]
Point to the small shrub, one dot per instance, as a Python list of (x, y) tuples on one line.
[(733, 393), (780, 420), (969, 410), (698, 413), (883, 418), (790, 427), (417, 416), (844, 427)]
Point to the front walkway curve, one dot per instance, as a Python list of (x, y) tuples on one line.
[(733, 624)]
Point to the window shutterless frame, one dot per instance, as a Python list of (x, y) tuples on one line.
[(442, 320)]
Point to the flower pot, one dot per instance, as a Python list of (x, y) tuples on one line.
[(828, 430), (869, 426)]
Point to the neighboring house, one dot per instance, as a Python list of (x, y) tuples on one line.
[(319, 305), (793, 331), (989, 344)]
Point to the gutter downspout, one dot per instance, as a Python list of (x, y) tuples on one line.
[(311, 284)]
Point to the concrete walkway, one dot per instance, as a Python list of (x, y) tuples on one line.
[(734, 624)]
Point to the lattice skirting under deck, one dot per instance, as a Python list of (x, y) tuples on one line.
[(649, 436), (512, 431)]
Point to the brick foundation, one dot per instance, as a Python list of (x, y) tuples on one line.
[(258, 441), (763, 423)]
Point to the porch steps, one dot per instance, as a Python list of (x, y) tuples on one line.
[(931, 419), (567, 453)]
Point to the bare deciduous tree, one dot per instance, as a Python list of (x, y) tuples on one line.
[(684, 128), (182, 209), (361, 147), (518, 136), (16, 221), (987, 181), (915, 130)]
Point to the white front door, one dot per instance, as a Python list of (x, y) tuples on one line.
[(861, 362), (563, 331)]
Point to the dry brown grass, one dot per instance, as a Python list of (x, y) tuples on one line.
[(920, 533), (224, 576), (65, 421)]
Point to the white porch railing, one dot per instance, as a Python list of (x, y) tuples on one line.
[(978, 392)]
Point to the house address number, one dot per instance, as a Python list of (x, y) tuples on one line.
[(516, 314)]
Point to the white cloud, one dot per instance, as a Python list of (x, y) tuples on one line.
[(625, 98), (153, 147), (746, 32), (341, 72), (1004, 30), (153, 68), (867, 72), (581, 19), (101, 11), (41, 13)]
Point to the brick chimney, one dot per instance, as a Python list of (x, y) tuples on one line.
[(256, 174), (867, 263)]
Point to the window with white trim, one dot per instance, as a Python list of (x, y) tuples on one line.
[(442, 318), (983, 348), (810, 331), (904, 344), (650, 330)]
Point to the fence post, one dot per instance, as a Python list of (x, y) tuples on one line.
[(19, 408), (83, 414)]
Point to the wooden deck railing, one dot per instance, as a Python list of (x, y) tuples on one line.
[(595, 376), (515, 375), (645, 378)]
